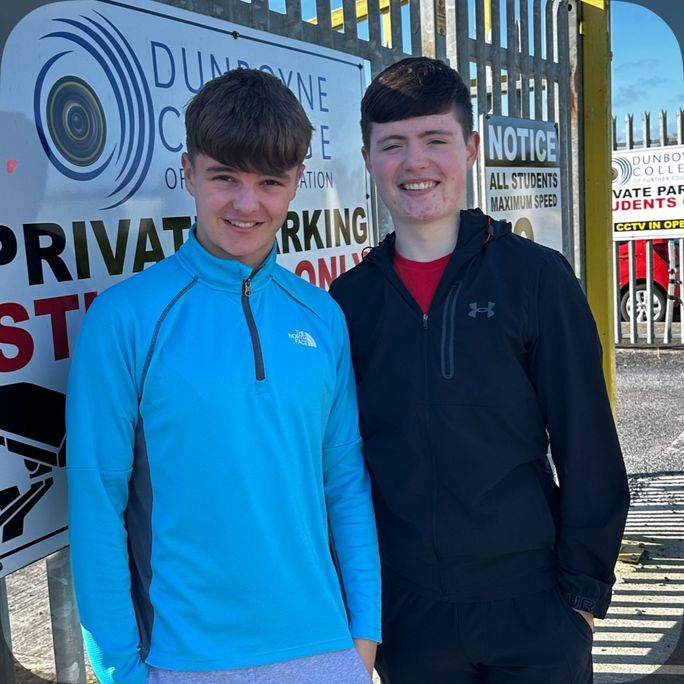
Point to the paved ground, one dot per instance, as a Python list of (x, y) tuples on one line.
[(651, 409), (642, 638)]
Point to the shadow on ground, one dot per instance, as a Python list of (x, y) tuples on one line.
[(641, 639)]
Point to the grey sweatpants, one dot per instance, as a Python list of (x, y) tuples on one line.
[(338, 667)]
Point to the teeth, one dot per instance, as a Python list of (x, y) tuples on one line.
[(243, 224), (423, 185)]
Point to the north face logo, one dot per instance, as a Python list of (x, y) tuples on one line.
[(475, 309), (302, 337)]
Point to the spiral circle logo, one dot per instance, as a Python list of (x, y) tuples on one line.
[(93, 108), (621, 171), (76, 121)]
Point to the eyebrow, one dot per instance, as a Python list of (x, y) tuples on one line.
[(221, 168), (423, 134)]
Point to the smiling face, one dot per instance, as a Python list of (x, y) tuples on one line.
[(238, 213), (420, 166)]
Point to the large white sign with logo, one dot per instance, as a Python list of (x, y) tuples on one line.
[(522, 176), (91, 191), (648, 193)]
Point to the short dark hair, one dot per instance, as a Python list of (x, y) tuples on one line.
[(248, 120), (416, 86)]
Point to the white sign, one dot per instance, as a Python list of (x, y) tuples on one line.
[(522, 176), (91, 190), (648, 193)]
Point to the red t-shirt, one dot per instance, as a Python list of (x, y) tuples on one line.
[(420, 277)]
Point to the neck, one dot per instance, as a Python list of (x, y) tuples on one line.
[(427, 242)]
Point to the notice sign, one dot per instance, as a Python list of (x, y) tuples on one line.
[(522, 176), (92, 94), (648, 193)]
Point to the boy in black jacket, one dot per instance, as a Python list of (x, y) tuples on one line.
[(474, 350)]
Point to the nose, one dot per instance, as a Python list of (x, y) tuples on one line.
[(246, 200), (415, 156)]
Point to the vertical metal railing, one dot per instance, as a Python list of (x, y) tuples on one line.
[(617, 318), (66, 635), (681, 289), (632, 292), (649, 293), (6, 659), (519, 54), (648, 300)]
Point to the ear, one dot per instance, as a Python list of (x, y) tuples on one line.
[(472, 147), (366, 158), (189, 173)]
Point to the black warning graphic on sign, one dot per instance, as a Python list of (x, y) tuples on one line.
[(32, 428)]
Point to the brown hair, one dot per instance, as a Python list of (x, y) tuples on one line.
[(416, 86), (248, 120)]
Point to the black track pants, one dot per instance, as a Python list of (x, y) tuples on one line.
[(532, 639)]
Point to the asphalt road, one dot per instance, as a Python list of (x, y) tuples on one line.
[(650, 388)]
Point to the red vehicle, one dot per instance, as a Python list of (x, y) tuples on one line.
[(660, 279)]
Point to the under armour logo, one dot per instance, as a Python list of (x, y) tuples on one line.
[(475, 309)]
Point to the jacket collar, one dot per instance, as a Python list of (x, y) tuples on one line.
[(222, 274), (475, 231)]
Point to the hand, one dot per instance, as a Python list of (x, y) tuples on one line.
[(587, 616), (366, 650)]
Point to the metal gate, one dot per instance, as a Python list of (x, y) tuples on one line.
[(522, 60), (647, 273)]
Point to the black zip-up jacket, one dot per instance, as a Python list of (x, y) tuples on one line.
[(458, 407)]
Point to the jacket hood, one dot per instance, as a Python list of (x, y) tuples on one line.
[(475, 231)]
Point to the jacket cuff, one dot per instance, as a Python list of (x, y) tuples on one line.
[(367, 631), (594, 599)]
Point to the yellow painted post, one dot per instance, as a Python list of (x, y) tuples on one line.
[(596, 116), (337, 17), (386, 26)]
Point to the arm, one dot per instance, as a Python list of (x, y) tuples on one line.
[(594, 497), (350, 509), (102, 412)]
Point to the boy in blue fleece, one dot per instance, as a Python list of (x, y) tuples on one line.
[(213, 439)]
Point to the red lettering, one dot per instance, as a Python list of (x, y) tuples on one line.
[(325, 276), (17, 337), (88, 299), (326, 270), (308, 268), (56, 308)]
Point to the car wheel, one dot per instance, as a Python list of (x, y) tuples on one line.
[(659, 303)]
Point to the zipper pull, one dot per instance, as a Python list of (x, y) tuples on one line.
[(247, 287), (425, 321)]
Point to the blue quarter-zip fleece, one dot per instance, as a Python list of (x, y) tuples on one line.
[(213, 442)]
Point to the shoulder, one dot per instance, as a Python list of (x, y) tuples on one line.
[(142, 296), (315, 299), (525, 247), (352, 286), (356, 277), (522, 254)]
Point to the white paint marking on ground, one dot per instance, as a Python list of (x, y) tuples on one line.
[(677, 446)]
